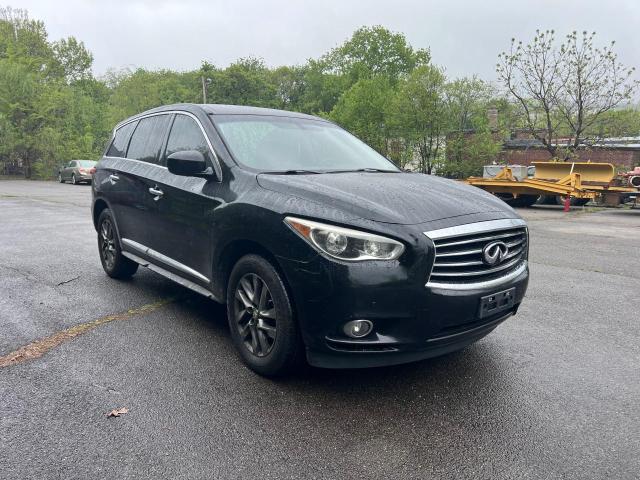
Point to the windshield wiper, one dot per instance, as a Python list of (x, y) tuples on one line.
[(294, 172), (302, 171), (368, 169)]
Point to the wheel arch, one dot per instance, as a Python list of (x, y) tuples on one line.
[(230, 255), (98, 206)]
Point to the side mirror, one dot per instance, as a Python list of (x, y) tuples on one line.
[(188, 163)]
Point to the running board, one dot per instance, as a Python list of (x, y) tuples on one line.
[(171, 276)]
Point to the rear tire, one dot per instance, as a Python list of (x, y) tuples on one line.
[(575, 202), (60, 179), (547, 200), (522, 201), (113, 262), (73, 179), (261, 318)]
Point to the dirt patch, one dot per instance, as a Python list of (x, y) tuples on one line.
[(40, 347)]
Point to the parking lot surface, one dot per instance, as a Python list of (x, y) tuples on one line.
[(552, 393)]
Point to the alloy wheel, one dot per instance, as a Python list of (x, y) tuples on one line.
[(73, 179), (255, 315), (107, 243)]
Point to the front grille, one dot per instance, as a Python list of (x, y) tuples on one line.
[(459, 252)]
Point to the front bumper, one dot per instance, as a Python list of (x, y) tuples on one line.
[(411, 321), (385, 355)]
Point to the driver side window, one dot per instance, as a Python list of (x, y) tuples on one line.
[(186, 135)]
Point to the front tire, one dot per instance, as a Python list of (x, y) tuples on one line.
[(113, 262), (261, 318)]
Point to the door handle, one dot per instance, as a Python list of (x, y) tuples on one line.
[(156, 192), (113, 178)]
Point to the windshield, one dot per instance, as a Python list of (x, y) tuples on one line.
[(86, 163), (281, 144)]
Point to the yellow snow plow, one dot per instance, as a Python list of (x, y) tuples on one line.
[(579, 181), (589, 173)]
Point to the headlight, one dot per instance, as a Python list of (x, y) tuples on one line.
[(344, 243)]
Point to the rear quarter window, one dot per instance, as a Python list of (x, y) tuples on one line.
[(118, 147)]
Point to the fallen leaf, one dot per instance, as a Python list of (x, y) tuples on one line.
[(117, 412)]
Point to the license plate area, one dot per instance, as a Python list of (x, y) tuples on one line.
[(497, 302)]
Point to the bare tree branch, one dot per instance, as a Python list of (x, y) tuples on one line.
[(568, 85)]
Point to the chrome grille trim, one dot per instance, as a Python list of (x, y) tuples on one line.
[(478, 274), (457, 263), (463, 242), (479, 227), (486, 284)]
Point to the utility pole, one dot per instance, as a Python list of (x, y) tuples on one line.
[(204, 90)]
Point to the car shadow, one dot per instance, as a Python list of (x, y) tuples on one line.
[(477, 362), (481, 391)]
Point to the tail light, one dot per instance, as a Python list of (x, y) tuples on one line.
[(92, 170)]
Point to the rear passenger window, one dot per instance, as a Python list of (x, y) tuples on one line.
[(147, 138), (186, 135), (118, 146)]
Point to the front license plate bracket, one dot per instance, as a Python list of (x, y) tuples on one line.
[(497, 302)]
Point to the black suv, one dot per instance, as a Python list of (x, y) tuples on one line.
[(318, 245)]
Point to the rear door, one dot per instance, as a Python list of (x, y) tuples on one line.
[(113, 185), (136, 172)]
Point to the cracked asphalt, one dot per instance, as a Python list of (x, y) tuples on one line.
[(552, 393)]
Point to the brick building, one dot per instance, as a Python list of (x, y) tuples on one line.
[(624, 153)]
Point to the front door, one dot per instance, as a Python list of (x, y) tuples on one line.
[(184, 206), (68, 170)]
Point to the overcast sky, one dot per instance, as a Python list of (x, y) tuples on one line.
[(464, 36)]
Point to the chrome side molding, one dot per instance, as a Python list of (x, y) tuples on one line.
[(163, 259), (171, 276)]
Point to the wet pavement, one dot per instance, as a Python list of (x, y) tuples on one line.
[(552, 393)]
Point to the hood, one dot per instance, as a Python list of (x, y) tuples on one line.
[(401, 198)]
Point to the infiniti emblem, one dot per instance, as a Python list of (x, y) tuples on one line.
[(494, 253)]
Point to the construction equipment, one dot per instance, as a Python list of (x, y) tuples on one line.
[(633, 177), (571, 180)]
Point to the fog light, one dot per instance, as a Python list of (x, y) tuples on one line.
[(358, 328)]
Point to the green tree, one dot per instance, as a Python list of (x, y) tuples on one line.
[(134, 92), (373, 51), (74, 59), (617, 123), (320, 89), (418, 116), (362, 108), (289, 83), (51, 107), (24, 41), (245, 82), (21, 119), (471, 141)]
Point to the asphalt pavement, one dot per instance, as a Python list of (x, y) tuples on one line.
[(552, 393)]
